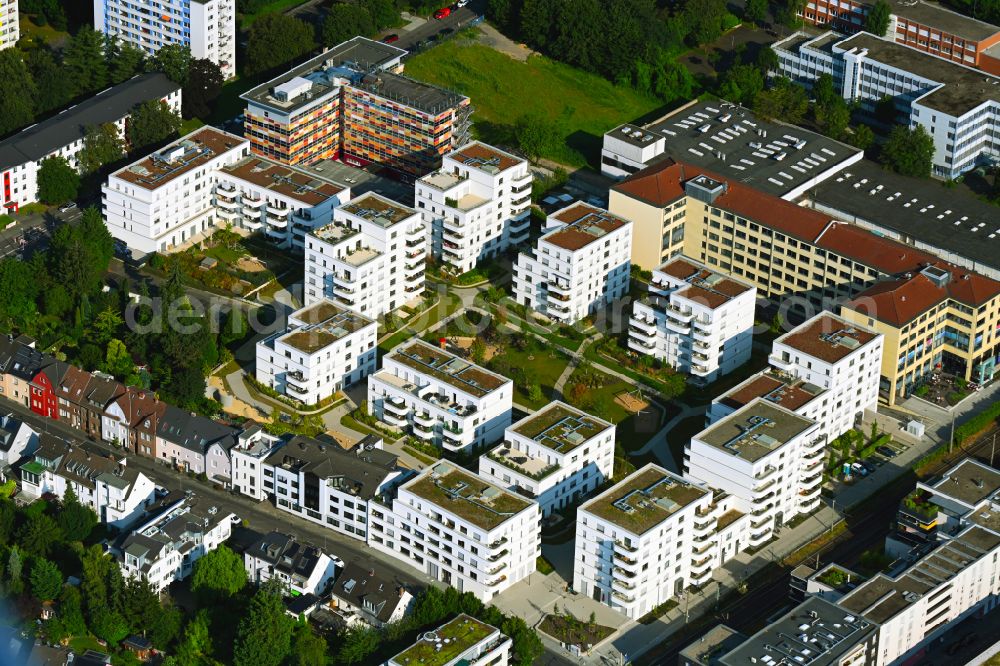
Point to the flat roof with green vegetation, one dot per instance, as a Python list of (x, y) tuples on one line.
[(578, 103), (446, 643), (450, 369), (466, 496), (378, 209), (755, 430), (560, 427), (326, 323), (644, 499)]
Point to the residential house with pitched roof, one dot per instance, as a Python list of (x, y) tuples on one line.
[(70, 396), (195, 443), (17, 440), (101, 391), (301, 567), (366, 596), (133, 420)]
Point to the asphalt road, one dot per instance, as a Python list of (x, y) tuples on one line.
[(458, 19), (31, 234)]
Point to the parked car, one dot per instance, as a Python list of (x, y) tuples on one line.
[(869, 465), (389, 39), (68, 206), (885, 451), (444, 12), (859, 469)]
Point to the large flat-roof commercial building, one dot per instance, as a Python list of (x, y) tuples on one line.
[(694, 319), (370, 259), (352, 103), (324, 349), (927, 26), (477, 205), (579, 265), (440, 398), (207, 27), (767, 458), (459, 529), (62, 135), (954, 103), (10, 28), (810, 262), (556, 456)]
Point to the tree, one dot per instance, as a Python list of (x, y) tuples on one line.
[(276, 39), (40, 534), (767, 60), (16, 110), (777, 321), (124, 59), (755, 12), (219, 575), (83, 61), (383, 12), (265, 633), (196, 645), (909, 151), (75, 520), (118, 362), (308, 647), (877, 21), (96, 568), (18, 291), (344, 21), (742, 84), (174, 60), (783, 100), (203, 87), (525, 643), (71, 611), (885, 110), (236, 327), (110, 626), (167, 627), (7, 515), (46, 579), (358, 644), (58, 182), (101, 145), (478, 350), (862, 137), (151, 122), (15, 564), (536, 136), (50, 80), (79, 255)]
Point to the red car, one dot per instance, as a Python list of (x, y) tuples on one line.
[(391, 38), (444, 12)]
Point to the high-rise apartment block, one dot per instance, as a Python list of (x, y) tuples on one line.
[(579, 265), (370, 259), (352, 103), (477, 205), (10, 28), (207, 27), (556, 456), (440, 398), (694, 319)]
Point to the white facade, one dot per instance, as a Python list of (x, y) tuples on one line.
[(479, 644), (370, 259), (838, 356), (768, 459), (628, 149), (10, 28), (167, 200), (578, 266), (460, 530), (957, 105), (440, 398), (207, 27), (636, 542), (301, 568), (247, 462), (695, 320), (17, 439), (324, 349), (164, 549), (557, 456), (476, 206)]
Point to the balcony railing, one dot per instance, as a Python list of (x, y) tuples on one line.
[(625, 547)]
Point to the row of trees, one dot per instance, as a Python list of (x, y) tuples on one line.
[(630, 42)]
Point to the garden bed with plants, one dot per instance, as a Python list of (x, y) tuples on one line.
[(567, 629)]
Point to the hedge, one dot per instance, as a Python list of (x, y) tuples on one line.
[(977, 424)]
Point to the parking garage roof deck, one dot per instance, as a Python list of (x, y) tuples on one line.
[(755, 430), (560, 427), (284, 180), (466, 495), (644, 499), (448, 368)]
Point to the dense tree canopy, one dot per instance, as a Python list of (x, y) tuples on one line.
[(58, 182), (174, 60), (276, 40), (265, 631), (909, 151), (101, 145), (75, 520), (344, 21), (877, 21), (85, 63), (203, 87), (16, 110), (151, 122), (219, 575)]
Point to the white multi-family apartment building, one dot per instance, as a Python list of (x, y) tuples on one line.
[(838, 356), (370, 259), (694, 319), (164, 548), (284, 203), (459, 529), (556, 456), (958, 106), (117, 493), (328, 485), (206, 27), (22, 154), (324, 349), (10, 27), (636, 542), (302, 568), (253, 446), (464, 641), (579, 265), (477, 205), (167, 199), (768, 459), (440, 397)]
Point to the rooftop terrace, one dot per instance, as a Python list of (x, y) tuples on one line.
[(827, 338), (560, 427), (325, 324), (774, 386), (701, 284), (178, 158), (466, 495), (583, 225), (481, 156), (755, 430), (644, 499), (445, 644), (377, 209), (448, 368)]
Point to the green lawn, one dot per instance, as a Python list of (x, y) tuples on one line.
[(538, 364), (503, 89), (632, 431), (41, 34), (190, 125)]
